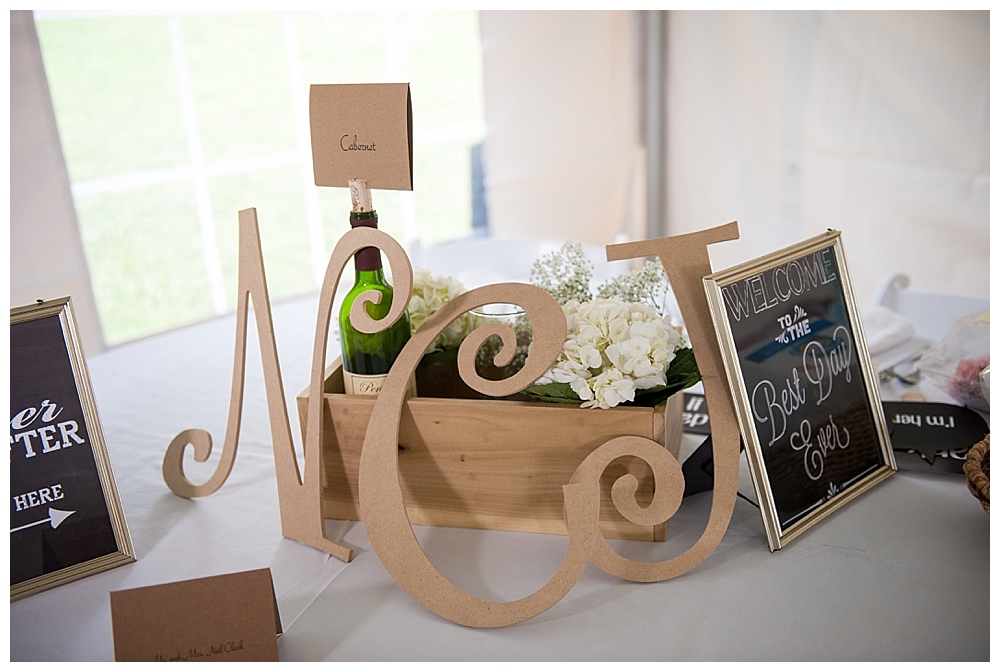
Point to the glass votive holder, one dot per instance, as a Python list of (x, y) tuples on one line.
[(514, 317)]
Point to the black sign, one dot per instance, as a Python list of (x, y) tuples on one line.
[(803, 385), (65, 517), (695, 417), (933, 436)]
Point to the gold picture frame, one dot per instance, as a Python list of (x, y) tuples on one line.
[(59, 464), (803, 386)]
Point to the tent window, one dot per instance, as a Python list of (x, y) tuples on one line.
[(172, 122)]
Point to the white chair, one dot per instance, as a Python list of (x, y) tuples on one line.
[(932, 313)]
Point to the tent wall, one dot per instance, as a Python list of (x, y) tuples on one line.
[(563, 155), (874, 123), (46, 251)]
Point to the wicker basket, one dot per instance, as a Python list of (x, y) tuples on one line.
[(977, 471)]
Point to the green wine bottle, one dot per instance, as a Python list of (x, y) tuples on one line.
[(368, 357)]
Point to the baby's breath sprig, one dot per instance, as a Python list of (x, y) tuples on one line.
[(564, 274), (647, 285)]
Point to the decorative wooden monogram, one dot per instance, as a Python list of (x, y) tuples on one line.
[(686, 261)]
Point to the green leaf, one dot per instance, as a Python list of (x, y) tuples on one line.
[(682, 374), (684, 368), (560, 393)]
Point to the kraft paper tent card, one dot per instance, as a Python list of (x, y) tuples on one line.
[(217, 618), (362, 131)]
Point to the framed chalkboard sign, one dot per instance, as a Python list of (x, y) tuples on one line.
[(803, 385), (66, 520)]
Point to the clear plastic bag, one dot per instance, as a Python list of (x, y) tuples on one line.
[(956, 363)]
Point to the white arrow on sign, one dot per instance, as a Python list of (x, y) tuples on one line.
[(56, 517)]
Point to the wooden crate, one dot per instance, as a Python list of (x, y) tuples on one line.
[(487, 463)]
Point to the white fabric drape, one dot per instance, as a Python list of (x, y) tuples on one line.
[(563, 157), (874, 123), (46, 251)]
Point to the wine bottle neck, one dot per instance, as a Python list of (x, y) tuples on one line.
[(376, 277), (368, 259)]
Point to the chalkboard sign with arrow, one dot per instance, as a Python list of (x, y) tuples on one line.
[(66, 520), (802, 382)]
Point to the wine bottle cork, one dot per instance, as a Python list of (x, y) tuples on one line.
[(361, 196)]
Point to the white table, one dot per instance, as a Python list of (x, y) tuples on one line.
[(902, 573)]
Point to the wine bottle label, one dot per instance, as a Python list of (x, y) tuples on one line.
[(355, 383)]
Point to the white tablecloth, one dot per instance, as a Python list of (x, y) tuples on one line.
[(901, 573)]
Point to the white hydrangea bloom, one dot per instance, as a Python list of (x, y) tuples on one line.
[(611, 388), (430, 293), (612, 349)]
